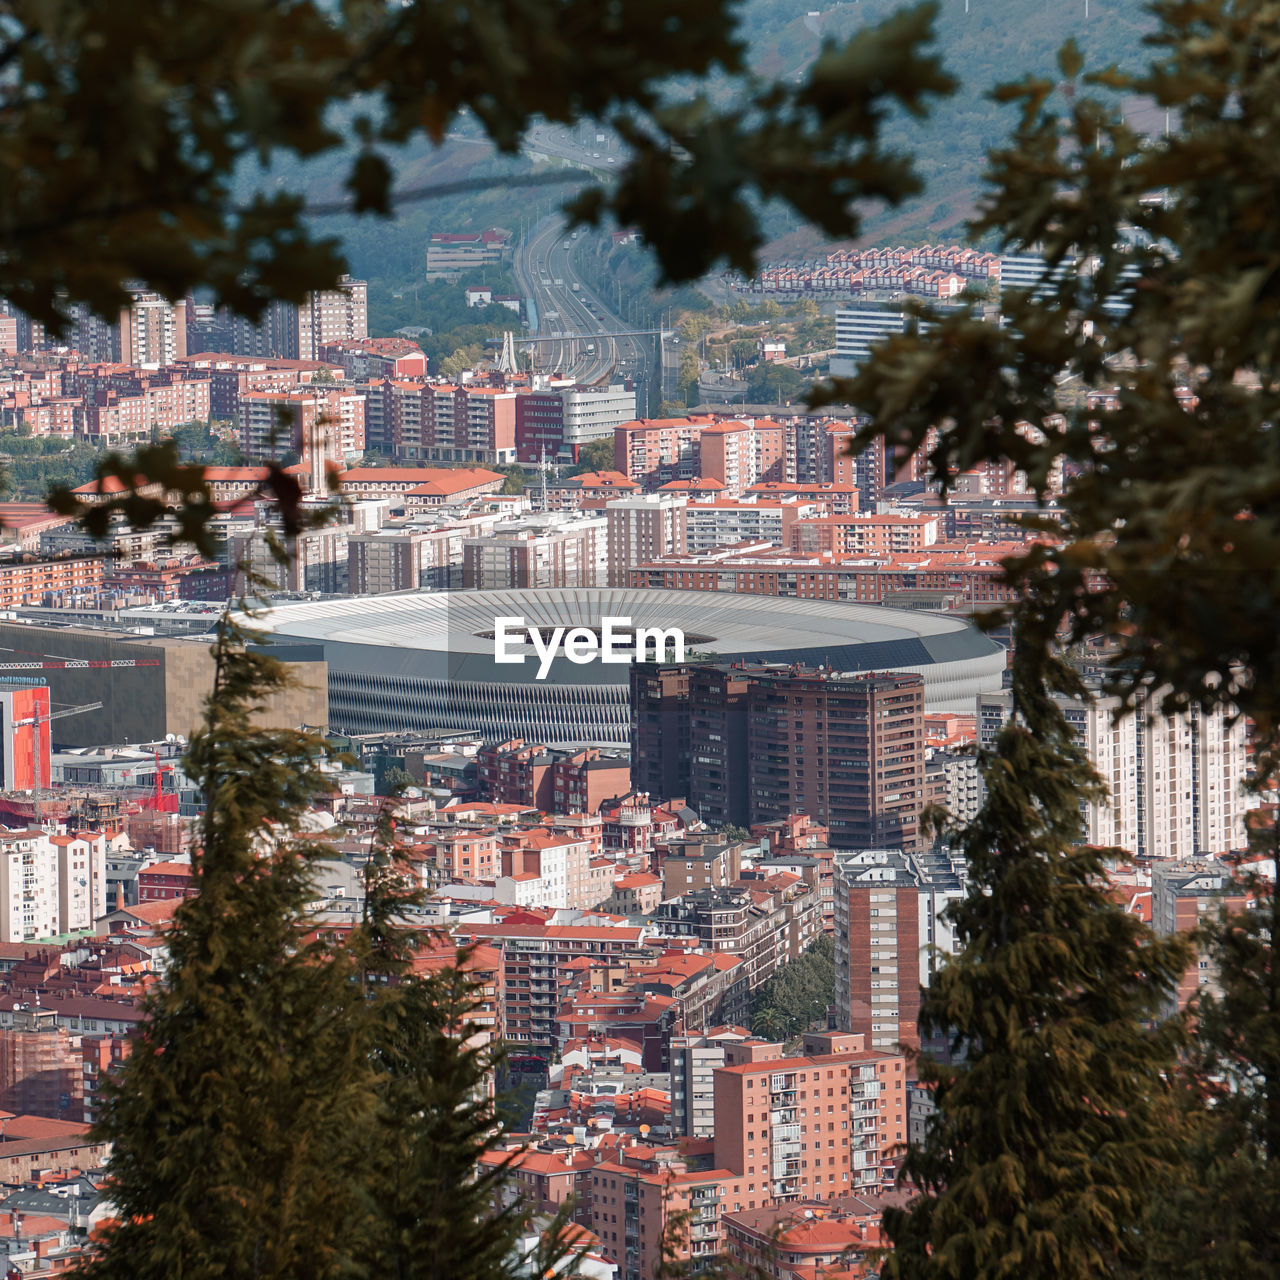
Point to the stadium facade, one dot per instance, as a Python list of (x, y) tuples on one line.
[(426, 661)]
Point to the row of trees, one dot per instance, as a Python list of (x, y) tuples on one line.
[(797, 995), (36, 464)]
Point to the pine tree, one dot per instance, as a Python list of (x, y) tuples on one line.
[(432, 1208), (1054, 1121), (232, 1121), (1145, 366), (1222, 1219)]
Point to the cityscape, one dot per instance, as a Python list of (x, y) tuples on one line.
[(673, 736)]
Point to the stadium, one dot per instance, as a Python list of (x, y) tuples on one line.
[(427, 661)]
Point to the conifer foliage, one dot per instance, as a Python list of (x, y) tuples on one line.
[(298, 1105), (1145, 368), (232, 1122), (1053, 1119)]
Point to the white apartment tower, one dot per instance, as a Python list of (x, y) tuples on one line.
[(1175, 783), (641, 529), (50, 884), (333, 315), (151, 330)]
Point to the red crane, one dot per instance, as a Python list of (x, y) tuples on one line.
[(63, 664)]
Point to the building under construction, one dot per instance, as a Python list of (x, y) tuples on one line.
[(148, 687)]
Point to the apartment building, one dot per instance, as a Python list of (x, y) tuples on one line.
[(830, 497), (589, 490), (764, 924), (635, 1197), (718, 768), (539, 551), (109, 417), (318, 423), (660, 743), (701, 860), (50, 884), (149, 331), (536, 962), (864, 534), (432, 486), (23, 583), (550, 869), (403, 560), (653, 451), (554, 423), (813, 1126), (551, 780), (849, 750), (286, 330), (858, 329), (743, 453), (366, 359), (317, 559), (230, 376), (330, 316), (694, 1061), (450, 253), (890, 936), (641, 529), (1189, 893), (153, 330), (818, 450), (444, 423), (725, 522), (963, 579), (1175, 782)]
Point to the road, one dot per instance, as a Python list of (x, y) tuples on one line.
[(603, 351), (577, 144)]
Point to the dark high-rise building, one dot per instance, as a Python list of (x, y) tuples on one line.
[(660, 729), (753, 744), (718, 773), (846, 749)]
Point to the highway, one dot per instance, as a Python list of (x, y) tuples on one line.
[(578, 144), (603, 351)]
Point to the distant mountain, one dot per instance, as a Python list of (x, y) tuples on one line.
[(997, 40), (994, 42)]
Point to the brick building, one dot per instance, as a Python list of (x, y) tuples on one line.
[(1185, 895), (847, 749), (164, 880), (660, 729), (24, 583), (536, 964), (641, 529), (743, 453), (652, 451)]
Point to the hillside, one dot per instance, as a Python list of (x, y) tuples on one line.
[(997, 40)]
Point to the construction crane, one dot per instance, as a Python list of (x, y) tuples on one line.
[(157, 799), (63, 664), (37, 756)]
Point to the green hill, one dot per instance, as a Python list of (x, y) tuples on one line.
[(997, 40)]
